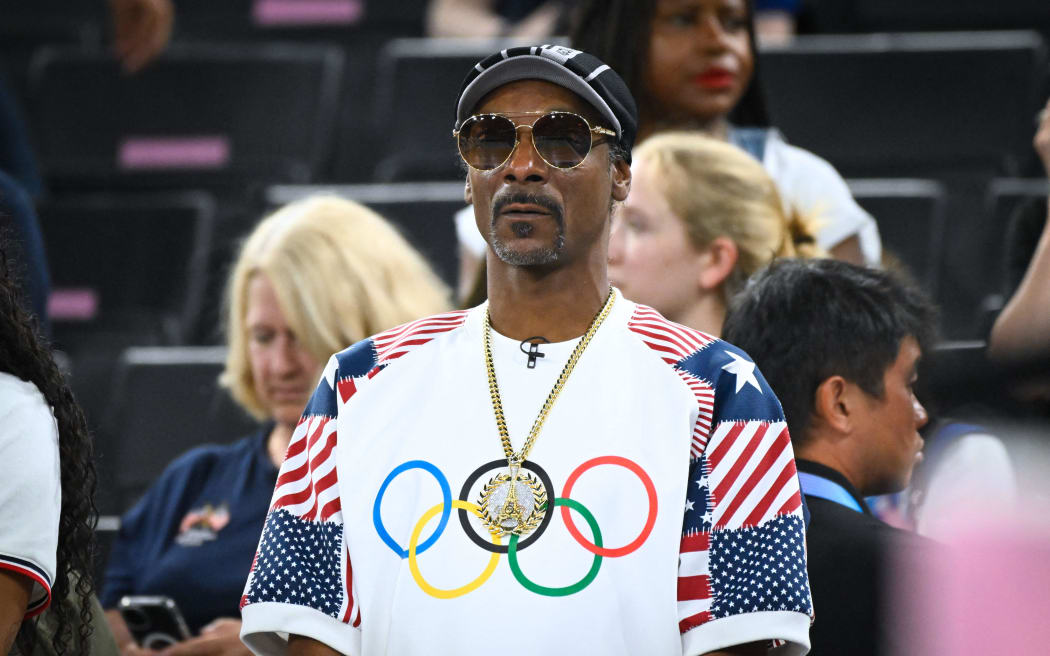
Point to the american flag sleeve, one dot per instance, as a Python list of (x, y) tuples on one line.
[(301, 580), (742, 561)]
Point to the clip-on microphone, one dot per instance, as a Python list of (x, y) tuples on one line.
[(534, 349)]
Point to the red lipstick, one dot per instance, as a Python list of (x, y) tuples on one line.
[(715, 78)]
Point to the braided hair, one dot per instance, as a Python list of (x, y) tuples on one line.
[(26, 355)]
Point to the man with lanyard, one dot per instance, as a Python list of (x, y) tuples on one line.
[(652, 507), (841, 344)]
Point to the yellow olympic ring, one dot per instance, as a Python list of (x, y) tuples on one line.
[(413, 566)]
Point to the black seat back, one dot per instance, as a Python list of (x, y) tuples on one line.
[(892, 105), (200, 116)]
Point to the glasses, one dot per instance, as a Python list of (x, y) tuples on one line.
[(562, 139)]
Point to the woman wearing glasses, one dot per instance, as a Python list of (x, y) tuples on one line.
[(313, 278), (691, 65), (702, 217)]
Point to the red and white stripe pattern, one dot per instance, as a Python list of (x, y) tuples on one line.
[(694, 581), (752, 473), (395, 342), (674, 343), (350, 612), (307, 485)]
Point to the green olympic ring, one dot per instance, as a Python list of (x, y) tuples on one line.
[(512, 554), (596, 547)]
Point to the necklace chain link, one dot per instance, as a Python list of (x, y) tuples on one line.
[(497, 404)]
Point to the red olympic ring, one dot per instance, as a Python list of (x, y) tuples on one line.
[(650, 489)]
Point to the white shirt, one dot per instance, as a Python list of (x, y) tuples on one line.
[(696, 493), (31, 494)]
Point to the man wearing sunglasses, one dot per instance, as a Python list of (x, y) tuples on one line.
[(651, 508)]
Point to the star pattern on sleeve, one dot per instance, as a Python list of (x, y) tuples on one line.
[(744, 370), (298, 562), (760, 568)]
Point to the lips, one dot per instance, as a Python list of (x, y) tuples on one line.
[(715, 78), (288, 394), (524, 211)]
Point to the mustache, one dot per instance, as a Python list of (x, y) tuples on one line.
[(519, 197)]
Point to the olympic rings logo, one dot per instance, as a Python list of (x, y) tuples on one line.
[(595, 545)]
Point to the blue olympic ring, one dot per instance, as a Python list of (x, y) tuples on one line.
[(446, 500)]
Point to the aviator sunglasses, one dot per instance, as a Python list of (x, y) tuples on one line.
[(562, 139)]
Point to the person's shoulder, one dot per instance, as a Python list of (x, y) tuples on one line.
[(24, 410), (348, 369), (204, 457), (784, 153), (671, 342), (20, 396), (381, 349), (723, 370)]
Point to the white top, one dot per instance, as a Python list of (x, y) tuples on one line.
[(31, 494), (813, 186), (401, 420)]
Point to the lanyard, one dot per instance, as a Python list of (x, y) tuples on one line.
[(818, 486)]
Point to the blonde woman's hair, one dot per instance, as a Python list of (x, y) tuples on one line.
[(340, 273), (719, 190)]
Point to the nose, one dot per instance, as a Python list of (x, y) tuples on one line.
[(525, 163), (283, 359), (711, 35), (920, 413)]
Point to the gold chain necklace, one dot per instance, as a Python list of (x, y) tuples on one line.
[(513, 502)]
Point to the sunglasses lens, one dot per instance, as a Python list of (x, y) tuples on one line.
[(486, 141), (562, 139)]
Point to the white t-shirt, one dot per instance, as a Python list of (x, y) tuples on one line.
[(813, 186), (31, 492), (655, 421)]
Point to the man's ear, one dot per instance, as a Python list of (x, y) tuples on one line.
[(621, 180), (832, 404), (720, 257), (468, 193)]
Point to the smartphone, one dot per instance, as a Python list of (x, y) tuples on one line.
[(154, 621)]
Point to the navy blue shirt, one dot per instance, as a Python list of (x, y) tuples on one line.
[(193, 535)]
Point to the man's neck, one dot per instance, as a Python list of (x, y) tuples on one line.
[(559, 305), (830, 458)]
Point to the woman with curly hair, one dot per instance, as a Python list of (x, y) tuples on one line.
[(47, 488)]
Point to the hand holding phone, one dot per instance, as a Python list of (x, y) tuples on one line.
[(154, 621)]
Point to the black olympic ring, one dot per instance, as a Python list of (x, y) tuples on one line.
[(524, 544)]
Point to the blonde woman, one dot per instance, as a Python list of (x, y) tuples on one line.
[(702, 216), (313, 278)]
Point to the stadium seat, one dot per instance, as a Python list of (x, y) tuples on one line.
[(310, 20), (910, 215), (893, 15), (422, 211), (26, 26), (418, 82), (164, 401), (200, 116), (126, 266), (920, 104)]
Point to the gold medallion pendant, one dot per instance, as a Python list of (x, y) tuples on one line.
[(513, 503)]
